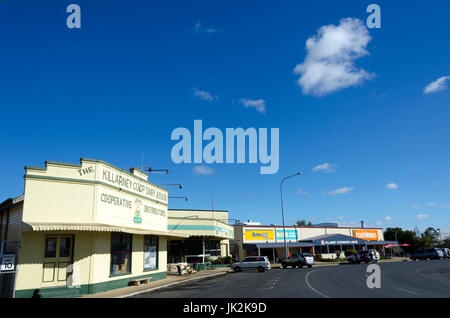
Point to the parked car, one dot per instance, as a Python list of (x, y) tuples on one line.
[(427, 253), (298, 259), (261, 263), (446, 252), (363, 257), (375, 254)]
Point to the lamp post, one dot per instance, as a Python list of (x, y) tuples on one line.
[(172, 185), (185, 198), (282, 211)]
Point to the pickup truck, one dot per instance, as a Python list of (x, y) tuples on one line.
[(298, 259)]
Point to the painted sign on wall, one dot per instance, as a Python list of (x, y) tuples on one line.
[(291, 234), (367, 235), (259, 235)]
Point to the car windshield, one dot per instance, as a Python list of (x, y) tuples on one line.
[(306, 254)]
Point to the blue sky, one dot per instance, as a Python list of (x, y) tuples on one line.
[(136, 70)]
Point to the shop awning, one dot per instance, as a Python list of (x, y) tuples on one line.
[(333, 239), (95, 227), (281, 245)]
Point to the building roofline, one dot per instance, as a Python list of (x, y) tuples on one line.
[(312, 227), (73, 165), (199, 210)]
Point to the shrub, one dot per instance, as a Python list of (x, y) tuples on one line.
[(227, 259)]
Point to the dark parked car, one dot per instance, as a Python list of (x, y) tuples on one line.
[(298, 260), (427, 253)]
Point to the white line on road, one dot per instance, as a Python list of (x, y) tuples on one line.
[(408, 291), (429, 277), (312, 288)]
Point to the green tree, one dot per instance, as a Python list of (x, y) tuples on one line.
[(429, 238), (303, 223)]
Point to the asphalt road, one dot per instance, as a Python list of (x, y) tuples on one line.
[(398, 279)]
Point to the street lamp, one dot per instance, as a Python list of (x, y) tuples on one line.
[(282, 211), (185, 198), (172, 185)]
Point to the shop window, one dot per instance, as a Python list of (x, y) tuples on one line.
[(121, 244), (150, 252), (64, 247), (50, 247), (212, 247)]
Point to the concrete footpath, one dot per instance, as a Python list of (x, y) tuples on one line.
[(169, 281)]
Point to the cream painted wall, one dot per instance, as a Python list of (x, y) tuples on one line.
[(88, 193), (91, 255), (30, 268)]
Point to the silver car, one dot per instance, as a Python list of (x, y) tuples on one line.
[(261, 263)]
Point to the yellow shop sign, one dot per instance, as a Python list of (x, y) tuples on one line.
[(259, 235)]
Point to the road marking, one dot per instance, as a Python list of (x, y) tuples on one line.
[(409, 291), (429, 277), (312, 288)]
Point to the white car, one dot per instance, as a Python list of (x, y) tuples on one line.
[(261, 263), (375, 254)]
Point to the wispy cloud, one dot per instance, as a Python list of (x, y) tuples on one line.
[(301, 192), (326, 167), (431, 204), (329, 65), (342, 190), (203, 170), (422, 216), (199, 28), (437, 86), (387, 218), (391, 186), (258, 104), (204, 95)]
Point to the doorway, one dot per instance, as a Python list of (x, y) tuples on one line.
[(58, 254)]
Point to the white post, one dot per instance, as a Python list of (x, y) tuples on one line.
[(203, 249)]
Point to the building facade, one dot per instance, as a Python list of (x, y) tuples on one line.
[(86, 228), (91, 227), (268, 240), (209, 234)]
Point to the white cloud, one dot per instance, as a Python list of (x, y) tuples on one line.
[(258, 104), (301, 192), (422, 216), (203, 170), (391, 186), (415, 206), (326, 167), (341, 217), (204, 95), (431, 204), (437, 86), (342, 190), (329, 65), (199, 28)]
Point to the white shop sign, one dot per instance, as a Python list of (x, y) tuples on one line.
[(7, 262)]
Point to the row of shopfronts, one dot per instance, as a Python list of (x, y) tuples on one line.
[(321, 241), (91, 227)]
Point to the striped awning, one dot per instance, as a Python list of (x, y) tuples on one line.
[(95, 227)]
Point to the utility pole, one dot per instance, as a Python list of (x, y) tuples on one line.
[(282, 212)]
